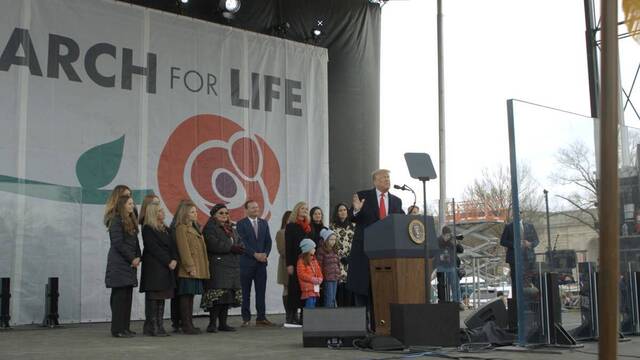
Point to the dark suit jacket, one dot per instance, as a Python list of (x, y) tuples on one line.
[(530, 235), (358, 274), (252, 245)]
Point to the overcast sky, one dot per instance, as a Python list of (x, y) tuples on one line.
[(493, 50)]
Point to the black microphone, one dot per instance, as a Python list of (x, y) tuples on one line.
[(403, 187)]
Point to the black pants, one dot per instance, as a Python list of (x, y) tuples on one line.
[(253, 275), (344, 297), (365, 301), (121, 298)]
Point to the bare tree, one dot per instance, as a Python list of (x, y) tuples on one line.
[(493, 190), (577, 169)]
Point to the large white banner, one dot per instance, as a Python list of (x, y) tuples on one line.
[(97, 93)]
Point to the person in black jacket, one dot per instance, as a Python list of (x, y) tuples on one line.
[(122, 263), (223, 289), (528, 242), (159, 261), (298, 228), (369, 206)]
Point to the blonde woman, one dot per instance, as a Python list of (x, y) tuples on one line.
[(143, 208), (110, 206), (122, 263), (298, 228), (159, 260), (193, 265)]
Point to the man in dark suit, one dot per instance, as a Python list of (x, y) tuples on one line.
[(256, 238), (529, 240), (369, 206)]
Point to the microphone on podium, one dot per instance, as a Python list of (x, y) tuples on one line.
[(403, 187)]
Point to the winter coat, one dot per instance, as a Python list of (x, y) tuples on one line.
[(192, 251), (158, 253), (306, 274), (329, 263), (124, 248), (224, 266)]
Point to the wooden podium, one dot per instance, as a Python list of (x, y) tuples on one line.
[(396, 264)]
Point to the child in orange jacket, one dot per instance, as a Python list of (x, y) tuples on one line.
[(309, 274)]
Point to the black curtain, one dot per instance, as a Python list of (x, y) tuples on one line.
[(351, 33)]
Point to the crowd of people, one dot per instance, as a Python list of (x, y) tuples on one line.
[(221, 261)]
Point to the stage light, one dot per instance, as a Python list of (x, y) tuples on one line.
[(184, 1), (317, 32), (229, 8)]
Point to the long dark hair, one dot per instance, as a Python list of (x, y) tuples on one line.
[(336, 219), (312, 211), (285, 219)]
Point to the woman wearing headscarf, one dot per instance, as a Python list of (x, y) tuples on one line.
[(223, 289)]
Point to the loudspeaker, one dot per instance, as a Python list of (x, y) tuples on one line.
[(493, 311), (51, 303), (426, 324), (333, 327), (5, 297)]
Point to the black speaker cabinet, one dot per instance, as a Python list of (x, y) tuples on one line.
[(426, 324), (336, 327), (494, 311)]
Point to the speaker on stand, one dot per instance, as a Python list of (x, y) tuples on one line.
[(5, 299), (51, 303)]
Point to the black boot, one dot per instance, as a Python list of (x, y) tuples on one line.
[(222, 315), (213, 315), (186, 315), (150, 322), (160, 331), (175, 314)]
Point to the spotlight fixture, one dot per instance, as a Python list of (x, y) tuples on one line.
[(229, 8), (317, 32), (184, 1)]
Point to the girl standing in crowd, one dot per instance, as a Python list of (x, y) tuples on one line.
[(122, 263), (330, 264), (110, 206), (223, 249), (309, 274), (143, 208), (298, 228), (194, 265), (283, 278), (159, 260), (317, 224), (344, 230)]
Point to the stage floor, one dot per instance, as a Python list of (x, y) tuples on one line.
[(93, 341)]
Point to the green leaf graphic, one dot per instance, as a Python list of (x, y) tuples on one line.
[(98, 166)]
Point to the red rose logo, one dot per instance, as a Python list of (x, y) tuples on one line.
[(210, 160)]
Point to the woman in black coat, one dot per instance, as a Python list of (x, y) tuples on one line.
[(317, 224), (298, 228), (223, 289), (158, 263), (122, 263)]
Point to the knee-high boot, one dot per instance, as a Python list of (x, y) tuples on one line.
[(150, 322), (160, 331), (186, 315)]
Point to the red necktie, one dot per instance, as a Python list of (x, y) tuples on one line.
[(383, 208)]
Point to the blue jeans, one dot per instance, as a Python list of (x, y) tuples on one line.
[(258, 276), (310, 303), (330, 289)]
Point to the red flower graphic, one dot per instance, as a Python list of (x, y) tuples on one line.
[(210, 159)]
